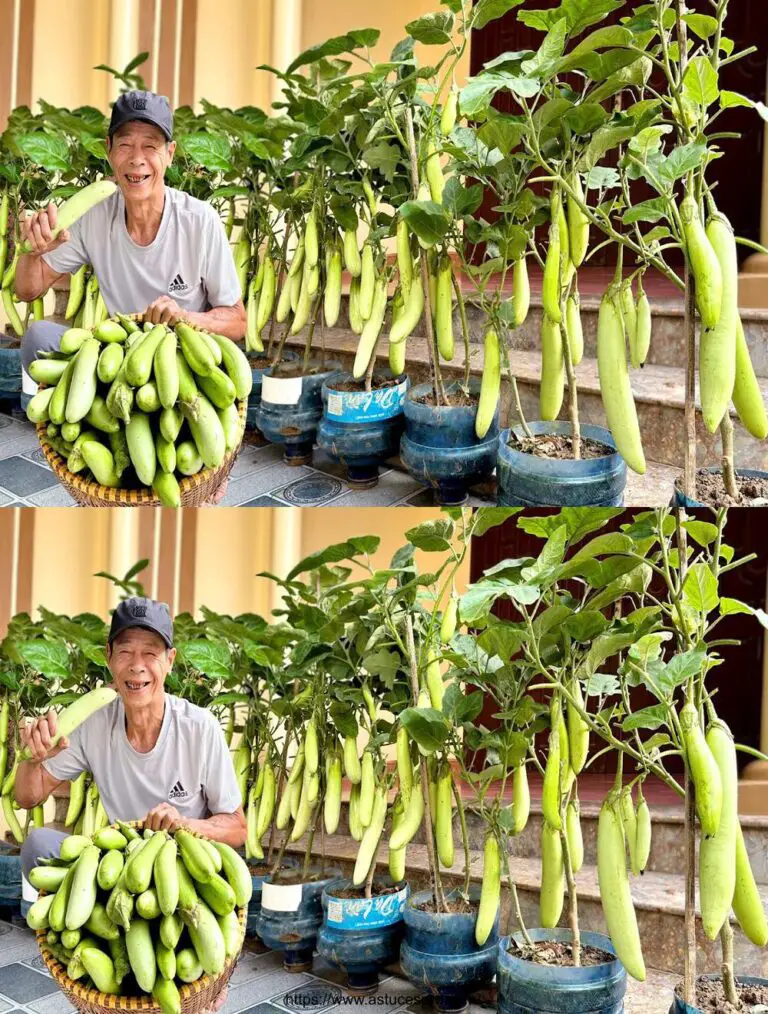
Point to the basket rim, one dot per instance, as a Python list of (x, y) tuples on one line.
[(141, 495), (145, 1002)]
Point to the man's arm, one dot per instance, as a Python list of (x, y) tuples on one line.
[(228, 321), (33, 277), (33, 783), (229, 828)]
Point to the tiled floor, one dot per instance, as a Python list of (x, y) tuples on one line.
[(259, 985), (260, 478)]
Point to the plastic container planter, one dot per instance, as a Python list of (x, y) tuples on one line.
[(290, 410), (254, 905), (439, 447), (254, 399), (527, 480), (10, 878), (527, 988), (439, 952), (681, 1007), (362, 935), (10, 372), (362, 428), (291, 916), (680, 499)]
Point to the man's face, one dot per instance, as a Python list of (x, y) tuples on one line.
[(139, 662), (139, 155)]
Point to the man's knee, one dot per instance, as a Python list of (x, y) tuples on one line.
[(40, 843), (40, 336)]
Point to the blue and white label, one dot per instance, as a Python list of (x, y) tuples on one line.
[(367, 406), (359, 913)]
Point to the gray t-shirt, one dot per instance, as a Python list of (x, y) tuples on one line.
[(189, 767), (189, 259)]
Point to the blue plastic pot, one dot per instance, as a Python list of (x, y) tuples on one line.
[(10, 372), (679, 499), (527, 988), (10, 875), (362, 935), (362, 428), (530, 481), (290, 410), (439, 952), (439, 447), (254, 905), (254, 398), (291, 916), (681, 1007)]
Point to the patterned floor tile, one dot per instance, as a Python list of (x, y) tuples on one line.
[(56, 497), (21, 476), (6, 1005), (261, 1008), (322, 462), (313, 997), (395, 487), (16, 438), (23, 984), (5, 500), (253, 459), (315, 490), (256, 991), (263, 501), (267, 480), (56, 1004), (252, 966), (423, 498)]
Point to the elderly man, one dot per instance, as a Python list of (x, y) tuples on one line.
[(153, 756), (154, 249)]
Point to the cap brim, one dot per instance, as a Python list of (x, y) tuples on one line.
[(144, 626), (142, 119)]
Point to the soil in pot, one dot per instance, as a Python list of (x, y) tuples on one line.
[(559, 954), (711, 998), (259, 362), (458, 399), (284, 371), (710, 490), (456, 906), (377, 384), (298, 878), (359, 892), (259, 871), (559, 447)]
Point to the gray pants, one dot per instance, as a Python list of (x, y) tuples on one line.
[(42, 843), (41, 336)]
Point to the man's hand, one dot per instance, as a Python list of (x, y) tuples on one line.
[(164, 818), (38, 733), (164, 311), (37, 228)]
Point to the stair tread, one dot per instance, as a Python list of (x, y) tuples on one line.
[(655, 892), (654, 385)]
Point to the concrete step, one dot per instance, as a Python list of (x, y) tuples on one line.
[(659, 395), (659, 900)]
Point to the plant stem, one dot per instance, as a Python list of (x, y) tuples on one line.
[(278, 862), (573, 901), (516, 902), (689, 328), (371, 365), (464, 327), (308, 343), (515, 392), (729, 981), (573, 397), (441, 398), (690, 893), (429, 832), (729, 472), (308, 850), (464, 833)]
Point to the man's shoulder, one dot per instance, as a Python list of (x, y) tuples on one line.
[(189, 714), (192, 207)]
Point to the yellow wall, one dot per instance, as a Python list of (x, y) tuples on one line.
[(70, 40), (233, 39), (321, 21)]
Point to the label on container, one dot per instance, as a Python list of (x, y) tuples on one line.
[(352, 913), (366, 406), (281, 390), (281, 897)]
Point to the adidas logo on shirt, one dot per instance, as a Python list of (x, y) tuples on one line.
[(178, 285), (178, 792)]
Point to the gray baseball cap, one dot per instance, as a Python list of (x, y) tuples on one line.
[(146, 613), (144, 106)]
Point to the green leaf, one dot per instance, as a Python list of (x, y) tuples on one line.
[(648, 648), (729, 99), (579, 521), (601, 177), (680, 669), (602, 684), (700, 589), (47, 150), (209, 657), (460, 199), (730, 606), (431, 536), (701, 24), (700, 82), (50, 658), (611, 542), (384, 157), (543, 63), (585, 119), (701, 531), (649, 139), (432, 29), (334, 554), (489, 10), (610, 35), (606, 138), (682, 160), (382, 663), (335, 47), (646, 211), (212, 151), (428, 220), (585, 626), (459, 707), (426, 726), (648, 718)]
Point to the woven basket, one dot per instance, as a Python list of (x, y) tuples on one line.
[(196, 997), (196, 490)]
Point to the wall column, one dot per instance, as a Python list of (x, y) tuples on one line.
[(123, 37), (286, 546), (286, 38), (123, 546)]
